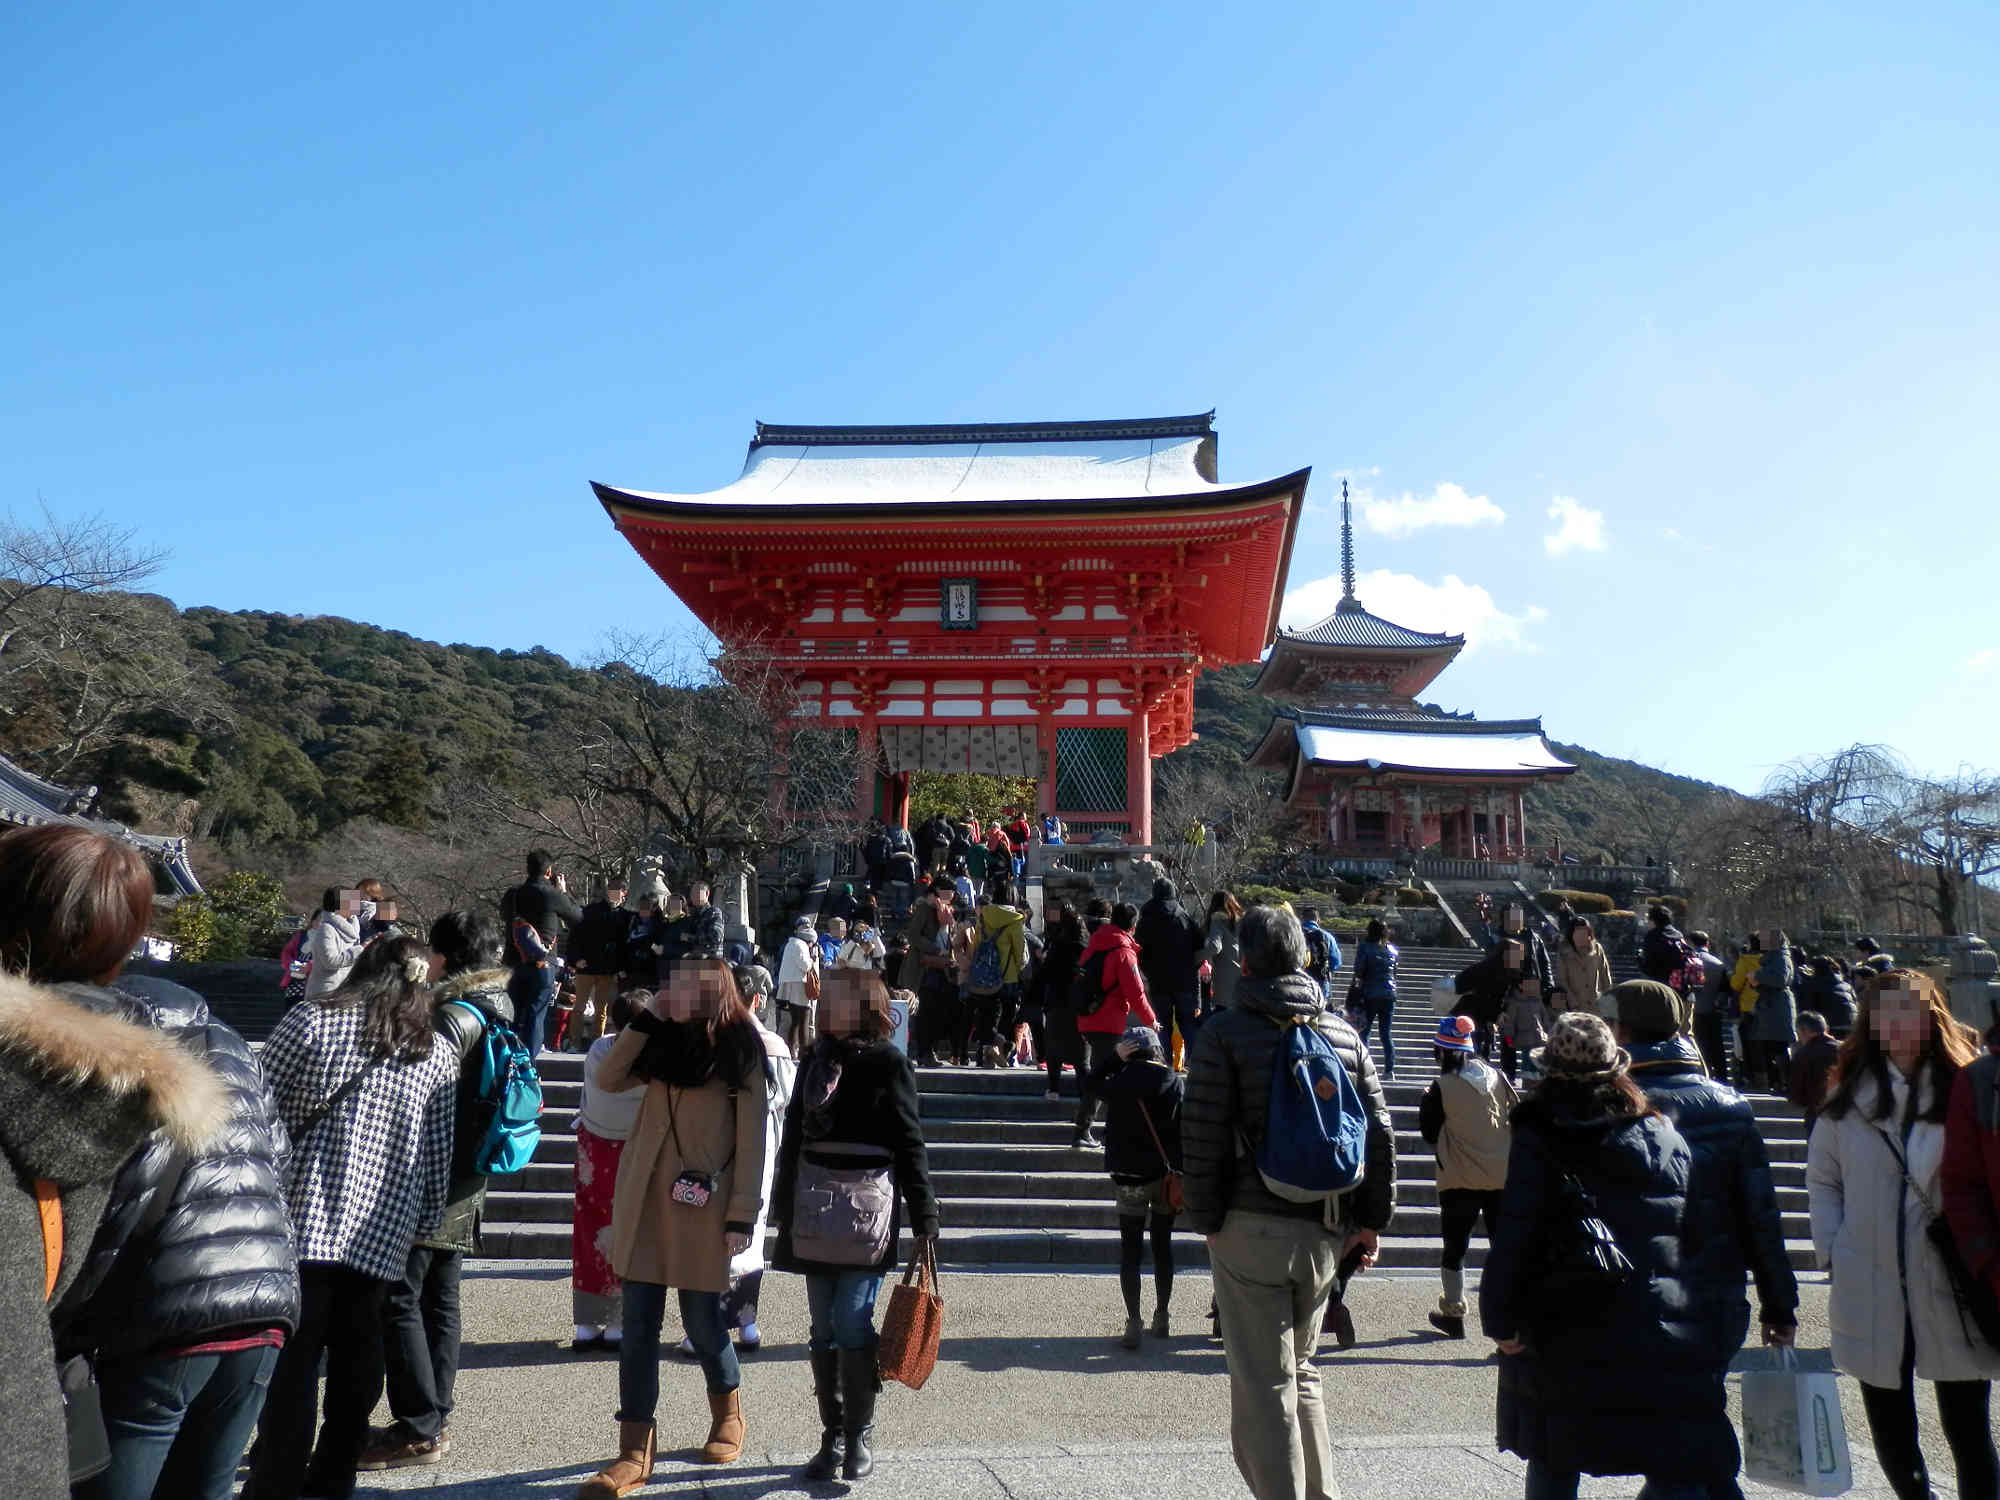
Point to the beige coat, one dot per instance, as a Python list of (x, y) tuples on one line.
[(1859, 1202), (1583, 976), (1477, 1136), (721, 1130)]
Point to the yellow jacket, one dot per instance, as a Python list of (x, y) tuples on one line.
[(1744, 982)]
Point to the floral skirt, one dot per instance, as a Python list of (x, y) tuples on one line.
[(595, 1289)]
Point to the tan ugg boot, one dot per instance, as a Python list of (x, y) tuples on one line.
[(632, 1468), (725, 1430)]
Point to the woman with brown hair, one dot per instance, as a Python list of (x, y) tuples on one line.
[(1583, 968), (1873, 1171), (852, 1156), (1224, 957), (690, 1185)]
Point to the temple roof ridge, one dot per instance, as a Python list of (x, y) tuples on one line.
[(1419, 719), (1199, 424)]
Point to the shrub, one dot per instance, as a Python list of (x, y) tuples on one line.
[(1587, 903), (235, 918)]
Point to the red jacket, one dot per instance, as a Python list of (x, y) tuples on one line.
[(1124, 987), (1969, 1180)]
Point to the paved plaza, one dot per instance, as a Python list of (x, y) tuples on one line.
[(1033, 1400)]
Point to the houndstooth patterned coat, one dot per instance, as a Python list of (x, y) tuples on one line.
[(373, 1175)]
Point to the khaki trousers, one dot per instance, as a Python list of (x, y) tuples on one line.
[(597, 990), (1273, 1277)]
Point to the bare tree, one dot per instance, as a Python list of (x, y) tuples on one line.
[(1951, 827), (1215, 822), (84, 661)]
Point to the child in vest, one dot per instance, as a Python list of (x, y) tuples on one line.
[(1465, 1116), (1525, 1024)]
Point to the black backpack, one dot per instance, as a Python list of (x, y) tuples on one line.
[(1086, 987)]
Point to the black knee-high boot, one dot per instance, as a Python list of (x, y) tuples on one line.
[(825, 1464), (859, 1383)]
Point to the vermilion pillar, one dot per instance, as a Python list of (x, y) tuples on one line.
[(1138, 781)]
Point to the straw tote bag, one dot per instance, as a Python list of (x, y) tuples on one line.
[(914, 1322)]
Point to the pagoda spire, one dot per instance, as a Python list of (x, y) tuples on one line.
[(1347, 600)]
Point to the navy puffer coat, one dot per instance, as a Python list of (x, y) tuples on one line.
[(218, 1258), (1634, 1388)]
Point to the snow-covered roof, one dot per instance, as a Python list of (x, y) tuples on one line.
[(1505, 750), (991, 462)]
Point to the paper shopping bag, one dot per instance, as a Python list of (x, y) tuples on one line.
[(1793, 1435)]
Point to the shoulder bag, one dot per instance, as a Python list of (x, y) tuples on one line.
[(313, 1120), (1974, 1297), (843, 1204), (1583, 1266), (1176, 1196)]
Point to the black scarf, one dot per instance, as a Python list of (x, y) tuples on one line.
[(682, 1054), (819, 1081)]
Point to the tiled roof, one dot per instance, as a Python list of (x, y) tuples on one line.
[(1199, 425), (1418, 720), (28, 801), (1351, 625)]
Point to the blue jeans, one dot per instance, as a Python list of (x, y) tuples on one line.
[(639, 1350), (841, 1305), (1383, 1010), (178, 1425), (533, 991)]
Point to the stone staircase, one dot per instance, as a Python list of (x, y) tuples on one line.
[(1012, 1192)]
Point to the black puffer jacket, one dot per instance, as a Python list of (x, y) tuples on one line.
[(1634, 1387), (219, 1257), (1134, 1092), (1228, 1086), (486, 991), (1733, 1175)]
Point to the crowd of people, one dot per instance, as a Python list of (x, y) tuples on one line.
[(226, 1244)]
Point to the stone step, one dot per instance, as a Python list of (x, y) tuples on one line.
[(1013, 1246)]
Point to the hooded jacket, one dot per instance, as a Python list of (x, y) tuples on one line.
[(1228, 1091), (1008, 929), (335, 944), (1125, 1002), (1635, 1386), (80, 1089), (1731, 1169), (1776, 1016), (486, 991), (1466, 1116), (216, 1258)]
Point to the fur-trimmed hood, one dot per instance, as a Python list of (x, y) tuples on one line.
[(76, 1082), (486, 988)]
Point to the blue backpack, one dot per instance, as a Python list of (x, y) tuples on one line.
[(984, 976), (1315, 1128), (508, 1117)]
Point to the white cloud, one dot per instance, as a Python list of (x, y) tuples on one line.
[(1578, 528), (1447, 505), (1450, 605), (1982, 659)]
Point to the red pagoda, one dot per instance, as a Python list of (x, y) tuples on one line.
[(1020, 599), (1389, 776)]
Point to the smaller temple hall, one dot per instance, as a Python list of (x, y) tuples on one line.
[(1385, 775)]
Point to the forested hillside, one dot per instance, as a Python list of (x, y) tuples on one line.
[(287, 733)]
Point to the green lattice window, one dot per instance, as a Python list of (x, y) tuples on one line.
[(1090, 770)]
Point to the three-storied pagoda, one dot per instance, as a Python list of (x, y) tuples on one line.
[(1024, 599), (1385, 774)]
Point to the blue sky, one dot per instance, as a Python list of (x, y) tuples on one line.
[(347, 309)]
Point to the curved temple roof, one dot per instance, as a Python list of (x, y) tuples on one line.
[(813, 466), (1506, 750)]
